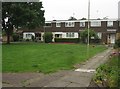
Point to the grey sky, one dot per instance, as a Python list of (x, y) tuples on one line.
[(63, 9)]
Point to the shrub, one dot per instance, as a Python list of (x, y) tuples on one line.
[(27, 39), (108, 73), (48, 37), (15, 37), (117, 44), (95, 41), (73, 40)]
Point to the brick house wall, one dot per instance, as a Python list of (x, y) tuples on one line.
[(106, 31)]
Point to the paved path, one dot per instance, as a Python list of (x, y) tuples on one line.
[(80, 77)]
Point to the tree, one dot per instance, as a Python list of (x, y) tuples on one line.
[(21, 14), (72, 18), (83, 18), (84, 35)]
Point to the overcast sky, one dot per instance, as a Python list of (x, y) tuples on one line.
[(63, 9)]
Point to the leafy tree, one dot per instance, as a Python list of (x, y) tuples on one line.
[(84, 35), (21, 14)]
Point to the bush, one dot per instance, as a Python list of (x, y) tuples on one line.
[(117, 44), (15, 37), (48, 37), (108, 73), (27, 40), (73, 40)]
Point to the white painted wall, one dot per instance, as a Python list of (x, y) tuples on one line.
[(64, 35), (28, 37), (42, 34)]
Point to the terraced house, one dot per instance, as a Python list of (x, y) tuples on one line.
[(106, 29)]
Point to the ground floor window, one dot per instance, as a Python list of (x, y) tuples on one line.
[(70, 35), (28, 36), (58, 35), (37, 36)]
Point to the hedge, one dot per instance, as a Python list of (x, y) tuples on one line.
[(15, 37), (48, 37), (95, 40), (71, 40), (117, 44)]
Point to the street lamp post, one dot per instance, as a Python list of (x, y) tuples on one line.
[(88, 22), (88, 38)]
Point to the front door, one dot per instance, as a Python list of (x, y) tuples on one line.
[(111, 38)]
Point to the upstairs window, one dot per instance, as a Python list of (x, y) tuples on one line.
[(48, 24), (95, 23), (58, 24), (69, 24), (82, 24), (109, 23)]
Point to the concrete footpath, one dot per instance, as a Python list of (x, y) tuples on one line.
[(80, 77)]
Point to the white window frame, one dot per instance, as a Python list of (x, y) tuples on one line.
[(28, 35), (70, 35), (111, 30), (69, 24), (58, 24), (82, 24), (95, 23), (109, 23)]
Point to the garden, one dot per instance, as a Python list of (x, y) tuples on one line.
[(108, 74)]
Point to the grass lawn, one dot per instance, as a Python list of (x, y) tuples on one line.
[(35, 57)]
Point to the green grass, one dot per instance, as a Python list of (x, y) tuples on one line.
[(34, 57)]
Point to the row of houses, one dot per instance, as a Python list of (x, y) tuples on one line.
[(106, 29)]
